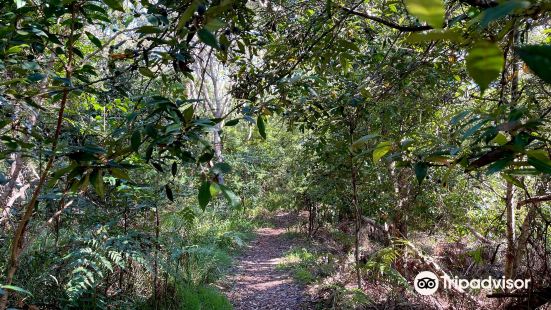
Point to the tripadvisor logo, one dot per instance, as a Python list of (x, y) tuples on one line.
[(426, 283)]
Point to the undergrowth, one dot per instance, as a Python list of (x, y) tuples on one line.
[(307, 266)]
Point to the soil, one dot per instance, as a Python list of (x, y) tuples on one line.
[(256, 282)]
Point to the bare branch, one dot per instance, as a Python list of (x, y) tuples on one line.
[(536, 199), (386, 22), (480, 3), (478, 235)]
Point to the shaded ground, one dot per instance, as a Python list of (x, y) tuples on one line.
[(256, 283)]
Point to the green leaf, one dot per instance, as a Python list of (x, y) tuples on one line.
[(16, 49), (501, 10), (93, 39), (539, 159), (35, 77), (114, 4), (208, 38), (59, 173), (3, 179), (484, 63), (538, 154), (429, 11), (499, 165), (205, 157), (16, 289), (96, 178), (188, 13), (538, 59), (221, 168), (157, 167), (381, 150), (151, 131), (543, 166), (224, 42), (169, 194), (500, 139), (83, 156), (363, 140), (217, 10), (509, 178), (469, 132), (523, 172), (214, 189), (232, 198), (174, 169), (421, 169), (261, 126), (4, 122), (188, 114), (328, 7), (136, 140), (119, 173), (146, 72), (438, 159), (232, 122), (149, 29), (215, 24), (204, 195)]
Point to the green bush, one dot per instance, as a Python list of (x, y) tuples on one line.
[(203, 298), (189, 299), (211, 298), (204, 264), (303, 275), (339, 297), (306, 265)]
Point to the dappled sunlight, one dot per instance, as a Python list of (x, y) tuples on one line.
[(258, 282), (278, 155)]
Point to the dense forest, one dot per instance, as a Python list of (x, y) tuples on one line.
[(288, 154)]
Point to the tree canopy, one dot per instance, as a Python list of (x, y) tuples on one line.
[(143, 140)]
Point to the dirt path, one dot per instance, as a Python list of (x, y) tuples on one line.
[(256, 283)]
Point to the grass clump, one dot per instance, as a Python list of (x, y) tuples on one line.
[(303, 275), (339, 297), (203, 298), (306, 266)]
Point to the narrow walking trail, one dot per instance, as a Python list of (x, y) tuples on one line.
[(256, 282)]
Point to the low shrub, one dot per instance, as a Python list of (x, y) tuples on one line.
[(203, 298)]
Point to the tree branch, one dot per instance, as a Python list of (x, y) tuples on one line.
[(478, 235), (480, 3), (386, 22), (536, 199)]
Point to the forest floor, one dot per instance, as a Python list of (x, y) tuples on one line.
[(256, 282)]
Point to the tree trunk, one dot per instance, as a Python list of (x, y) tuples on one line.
[(15, 169), (219, 107), (510, 202), (357, 225), (19, 235), (510, 230), (356, 208), (215, 100), (217, 141), (525, 231), (155, 265), (5, 216), (401, 191)]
